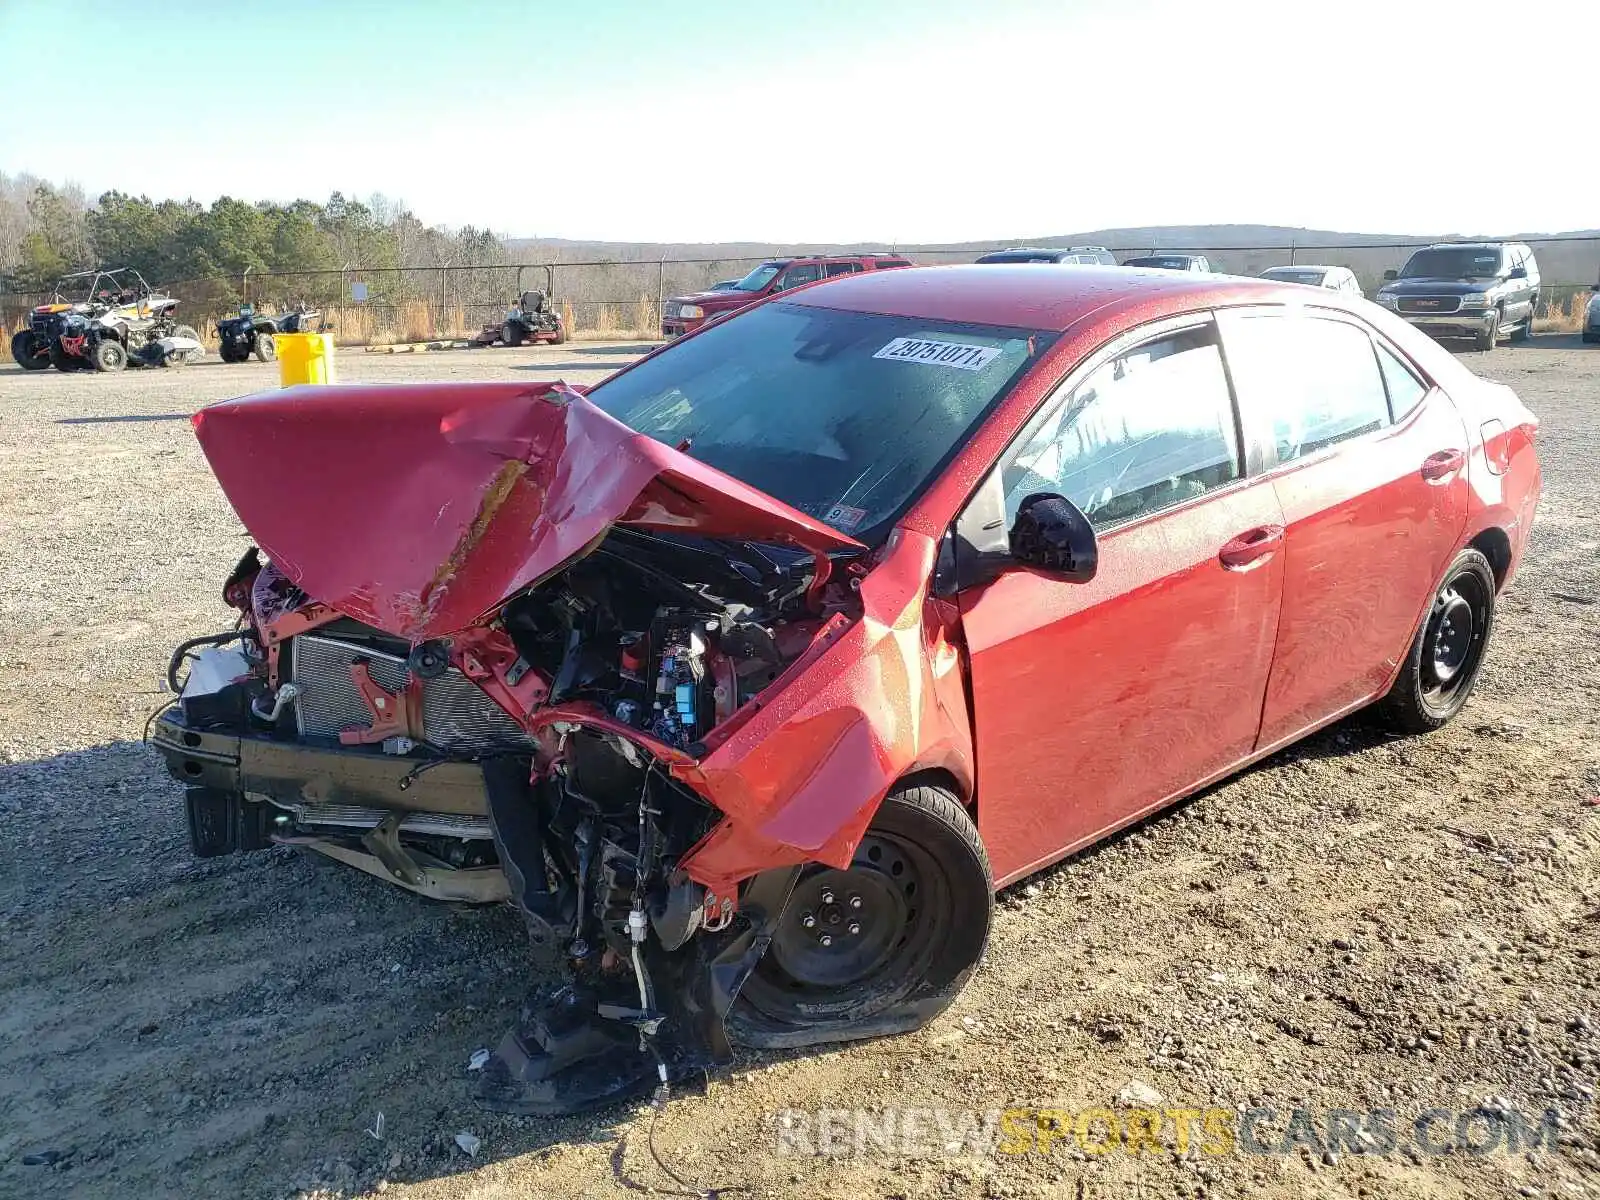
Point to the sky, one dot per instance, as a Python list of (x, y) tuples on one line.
[(827, 121)]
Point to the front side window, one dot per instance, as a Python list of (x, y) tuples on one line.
[(1150, 428), (845, 416), (1317, 378), (759, 278)]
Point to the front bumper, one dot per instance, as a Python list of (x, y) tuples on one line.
[(1466, 324), (675, 327), (248, 791)]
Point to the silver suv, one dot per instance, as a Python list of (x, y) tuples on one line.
[(1479, 290)]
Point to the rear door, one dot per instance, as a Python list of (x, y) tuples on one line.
[(798, 274), (1369, 465), (1095, 702)]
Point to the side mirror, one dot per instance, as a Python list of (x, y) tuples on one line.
[(1518, 273), (1052, 534), (1389, 276)]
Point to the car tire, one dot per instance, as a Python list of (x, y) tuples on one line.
[(883, 946), (1446, 654), (1590, 339), (25, 350), (511, 333), (108, 355), (188, 331), (266, 350), (1489, 337)]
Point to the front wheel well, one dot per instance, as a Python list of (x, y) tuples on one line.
[(1494, 545), (937, 777)]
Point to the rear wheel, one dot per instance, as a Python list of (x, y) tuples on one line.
[(511, 333), (883, 946), (266, 348), (28, 349), (1447, 652), (108, 355), (561, 334)]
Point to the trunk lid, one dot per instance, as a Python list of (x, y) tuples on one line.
[(421, 508)]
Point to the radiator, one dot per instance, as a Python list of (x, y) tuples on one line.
[(455, 714)]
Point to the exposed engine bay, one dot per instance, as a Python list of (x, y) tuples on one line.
[(498, 644), (643, 647)]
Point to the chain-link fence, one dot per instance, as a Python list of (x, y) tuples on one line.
[(624, 298)]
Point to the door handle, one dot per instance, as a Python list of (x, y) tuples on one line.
[(1441, 466), (1251, 547)]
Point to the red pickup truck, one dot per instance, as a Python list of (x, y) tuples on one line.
[(685, 313)]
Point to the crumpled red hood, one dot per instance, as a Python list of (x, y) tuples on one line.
[(421, 508)]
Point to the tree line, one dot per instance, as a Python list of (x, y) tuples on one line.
[(47, 231)]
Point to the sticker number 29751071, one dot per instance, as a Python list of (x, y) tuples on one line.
[(939, 354)]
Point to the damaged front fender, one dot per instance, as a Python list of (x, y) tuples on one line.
[(800, 777)]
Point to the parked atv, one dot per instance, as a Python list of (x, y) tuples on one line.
[(102, 342), (118, 320), (250, 332), (33, 347)]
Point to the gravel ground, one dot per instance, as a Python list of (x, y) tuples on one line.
[(1358, 923)]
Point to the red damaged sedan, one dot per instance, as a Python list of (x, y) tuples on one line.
[(749, 675)]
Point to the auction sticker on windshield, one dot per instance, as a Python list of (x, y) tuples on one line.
[(940, 354)]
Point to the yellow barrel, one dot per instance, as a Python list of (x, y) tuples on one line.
[(305, 358)]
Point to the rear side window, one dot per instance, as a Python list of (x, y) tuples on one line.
[(1405, 389), (842, 268), (1151, 428), (797, 275), (885, 263), (1318, 380)]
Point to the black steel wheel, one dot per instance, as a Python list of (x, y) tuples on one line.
[(28, 349), (266, 349), (880, 947), (1447, 652)]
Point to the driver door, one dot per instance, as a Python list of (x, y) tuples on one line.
[(1097, 702)]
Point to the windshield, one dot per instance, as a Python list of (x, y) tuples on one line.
[(759, 278), (1453, 262), (842, 415), (1294, 275), (1165, 262)]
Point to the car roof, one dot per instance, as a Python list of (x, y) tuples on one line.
[(1024, 297), (1468, 245), (1304, 267)]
